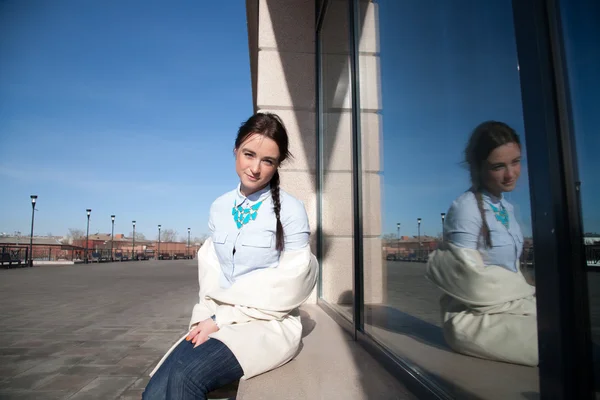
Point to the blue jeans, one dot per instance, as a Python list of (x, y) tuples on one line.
[(191, 373)]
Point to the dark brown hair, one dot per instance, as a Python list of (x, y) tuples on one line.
[(269, 125), (484, 139)]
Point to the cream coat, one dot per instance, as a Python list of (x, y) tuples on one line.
[(487, 311), (258, 315)]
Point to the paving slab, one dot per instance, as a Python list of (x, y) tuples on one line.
[(95, 331), (90, 331)]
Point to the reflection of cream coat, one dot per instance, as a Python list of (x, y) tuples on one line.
[(487, 311), (258, 316)]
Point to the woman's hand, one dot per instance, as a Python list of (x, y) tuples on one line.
[(200, 333)]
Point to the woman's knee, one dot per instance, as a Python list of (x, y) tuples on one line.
[(183, 379), (154, 391)]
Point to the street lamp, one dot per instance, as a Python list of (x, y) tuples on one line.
[(158, 253), (419, 225), (112, 237), (87, 234), (33, 200), (188, 249), (398, 246), (133, 247), (443, 219)]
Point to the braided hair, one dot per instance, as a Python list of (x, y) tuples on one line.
[(269, 125), (484, 139)]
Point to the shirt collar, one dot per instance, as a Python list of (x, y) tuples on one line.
[(254, 197), (490, 198)]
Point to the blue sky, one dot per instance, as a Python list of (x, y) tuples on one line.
[(461, 71), (445, 71), (128, 108), (582, 30), (131, 108)]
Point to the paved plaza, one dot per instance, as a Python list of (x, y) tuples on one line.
[(95, 331), (90, 331)]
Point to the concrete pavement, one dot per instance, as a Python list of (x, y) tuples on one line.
[(95, 331), (90, 331)]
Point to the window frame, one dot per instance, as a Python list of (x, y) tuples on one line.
[(566, 365)]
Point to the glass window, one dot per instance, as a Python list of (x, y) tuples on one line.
[(336, 157), (430, 73), (581, 33)]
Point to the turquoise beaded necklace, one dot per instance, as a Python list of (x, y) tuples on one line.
[(242, 215), (501, 215)]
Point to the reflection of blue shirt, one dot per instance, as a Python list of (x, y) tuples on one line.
[(463, 223), (254, 243)]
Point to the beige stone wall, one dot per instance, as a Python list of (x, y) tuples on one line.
[(337, 185), (282, 48), (372, 165), (282, 52)]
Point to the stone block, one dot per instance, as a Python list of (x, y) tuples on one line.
[(286, 80), (287, 25)]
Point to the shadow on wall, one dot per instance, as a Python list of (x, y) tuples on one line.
[(296, 53), (297, 47)]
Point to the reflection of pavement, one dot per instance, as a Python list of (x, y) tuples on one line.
[(410, 292), (409, 325), (90, 331), (594, 295)]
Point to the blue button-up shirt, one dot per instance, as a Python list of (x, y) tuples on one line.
[(463, 223), (254, 243)]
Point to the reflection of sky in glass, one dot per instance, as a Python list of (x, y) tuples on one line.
[(581, 25), (446, 67)]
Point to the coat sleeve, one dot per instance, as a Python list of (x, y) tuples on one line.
[(208, 281), (226, 314), (268, 294)]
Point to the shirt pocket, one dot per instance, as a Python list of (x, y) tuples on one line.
[(503, 251), (261, 240), (500, 239), (219, 237)]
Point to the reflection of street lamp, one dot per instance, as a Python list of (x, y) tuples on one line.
[(87, 233), (133, 247), (188, 249), (33, 200), (158, 253), (398, 247), (443, 219), (419, 225), (112, 237)]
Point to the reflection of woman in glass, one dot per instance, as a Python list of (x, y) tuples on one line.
[(488, 308), (254, 272)]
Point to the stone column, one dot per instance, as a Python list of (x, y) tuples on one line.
[(281, 37), (282, 52)]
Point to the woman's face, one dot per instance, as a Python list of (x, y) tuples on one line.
[(502, 169), (256, 161)]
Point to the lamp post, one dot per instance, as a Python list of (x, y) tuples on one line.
[(87, 234), (33, 200), (188, 246), (419, 227), (443, 219), (112, 237), (398, 240), (158, 253), (133, 247)]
